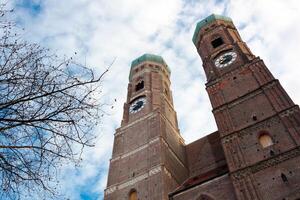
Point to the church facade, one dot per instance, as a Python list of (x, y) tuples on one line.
[(254, 154)]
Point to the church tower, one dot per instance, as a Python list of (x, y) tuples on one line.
[(148, 159), (258, 123)]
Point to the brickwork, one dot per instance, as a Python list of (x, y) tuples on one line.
[(247, 102), (205, 155), (217, 188), (254, 155), (148, 154)]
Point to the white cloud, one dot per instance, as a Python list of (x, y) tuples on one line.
[(102, 30)]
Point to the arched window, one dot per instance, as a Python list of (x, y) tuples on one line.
[(139, 86), (133, 195), (265, 139)]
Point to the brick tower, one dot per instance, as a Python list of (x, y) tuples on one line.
[(259, 125), (148, 159)]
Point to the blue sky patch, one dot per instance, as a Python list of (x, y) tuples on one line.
[(69, 25), (33, 7), (87, 193)]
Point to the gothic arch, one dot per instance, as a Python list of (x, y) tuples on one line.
[(205, 197)]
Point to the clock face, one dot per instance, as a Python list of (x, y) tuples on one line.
[(225, 59), (137, 105)]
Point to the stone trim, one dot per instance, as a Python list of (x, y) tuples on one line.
[(247, 96), (138, 94), (172, 152), (152, 114), (230, 73), (135, 150), (125, 184), (252, 128), (242, 173), (168, 173), (271, 119), (145, 146), (176, 130)]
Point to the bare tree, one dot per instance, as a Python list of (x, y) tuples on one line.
[(48, 109)]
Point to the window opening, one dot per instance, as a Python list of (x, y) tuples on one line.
[(284, 178), (217, 42), (139, 86), (265, 140), (133, 195)]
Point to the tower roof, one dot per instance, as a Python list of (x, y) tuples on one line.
[(148, 57), (211, 18)]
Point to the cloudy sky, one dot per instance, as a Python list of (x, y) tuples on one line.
[(102, 30)]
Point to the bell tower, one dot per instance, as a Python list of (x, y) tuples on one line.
[(148, 159), (259, 124)]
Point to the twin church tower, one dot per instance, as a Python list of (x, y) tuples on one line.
[(254, 154)]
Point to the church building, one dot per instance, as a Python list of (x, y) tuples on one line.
[(254, 154)]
